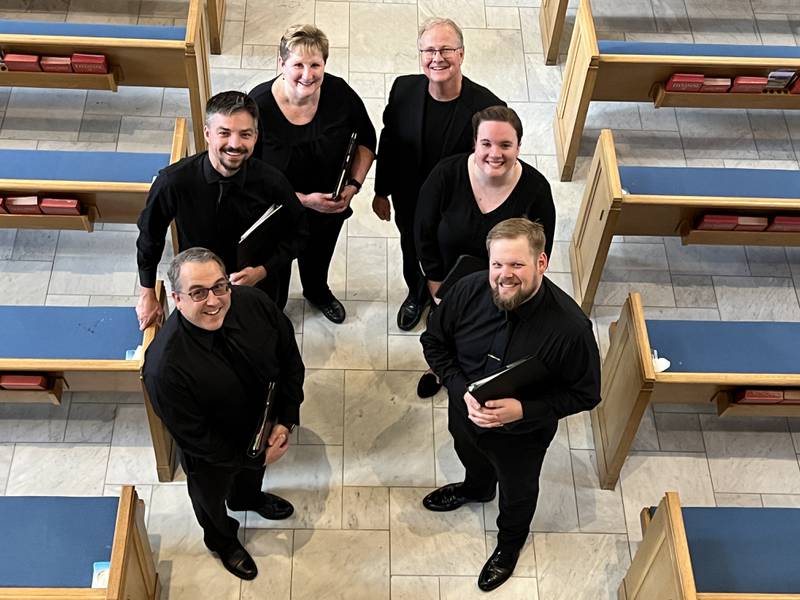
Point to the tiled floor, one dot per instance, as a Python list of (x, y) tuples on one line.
[(369, 449)]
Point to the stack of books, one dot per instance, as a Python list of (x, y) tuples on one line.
[(767, 397), (23, 382), (779, 80), (31, 205), (76, 63), (781, 223)]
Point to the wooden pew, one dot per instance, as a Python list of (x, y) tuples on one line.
[(172, 57), (756, 355), (636, 71), (82, 349), (668, 201), (552, 16), (709, 553), (89, 177), (91, 524), (216, 24)]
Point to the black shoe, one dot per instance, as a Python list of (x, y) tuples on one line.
[(272, 507), (449, 498), (428, 385), (410, 313), (239, 562), (333, 311), (497, 569)]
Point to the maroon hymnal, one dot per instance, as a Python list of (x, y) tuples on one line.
[(748, 85), (60, 206), (685, 82), (23, 205), (22, 62), (759, 396), (791, 397), (23, 382), (795, 89), (784, 223), (751, 223), (718, 222), (718, 85), (56, 64), (3, 206), (89, 63)]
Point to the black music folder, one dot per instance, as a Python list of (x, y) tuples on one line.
[(509, 380), (344, 174), (259, 442), (465, 265), (257, 241)]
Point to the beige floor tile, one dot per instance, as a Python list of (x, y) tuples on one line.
[(358, 343), (448, 467), (57, 470), (366, 269), (526, 565), (132, 459), (405, 354), (388, 435), (467, 13), (322, 411), (272, 551), (365, 508), (507, 82), (466, 588), (172, 525), (232, 37), (383, 38), (341, 565), (738, 499), (412, 587), (334, 19), (90, 423), (24, 281), (502, 17), (266, 21), (34, 422), (599, 511), (55, 115)]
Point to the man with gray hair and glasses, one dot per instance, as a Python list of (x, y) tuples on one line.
[(214, 197), (207, 374), (428, 118)]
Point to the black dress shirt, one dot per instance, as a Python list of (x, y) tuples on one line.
[(213, 211), (437, 124), (197, 391), (461, 336), (449, 223)]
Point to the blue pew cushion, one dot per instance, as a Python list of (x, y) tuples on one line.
[(62, 165), (705, 181), (68, 332), (672, 49), (727, 346), (743, 550), (95, 30), (53, 541)]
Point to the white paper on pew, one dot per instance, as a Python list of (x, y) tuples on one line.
[(100, 571), (134, 354), (660, 364)]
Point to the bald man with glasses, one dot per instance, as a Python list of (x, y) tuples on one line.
[(207, 374)]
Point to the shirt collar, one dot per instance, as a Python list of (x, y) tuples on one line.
[(204, 337), (213, 176), (527, 309)]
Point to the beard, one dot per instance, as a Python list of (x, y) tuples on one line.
[(509, 303)]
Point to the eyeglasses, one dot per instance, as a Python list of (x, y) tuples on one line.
[(200, 294), (429, 53)]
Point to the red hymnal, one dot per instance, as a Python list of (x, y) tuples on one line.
[(56, 64), (716, 84), (22, 62), (23, 382), (23, 205), (744, 84), (60, 206), (3, 206), (751, 223), (759, 396), (791, 397), (89, 63), (795, 89), (718, 222), (784, 223), (685, 82)]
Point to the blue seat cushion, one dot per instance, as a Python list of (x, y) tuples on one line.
[(704, 181), (60, 165), (96, 30), (743, 550), (53, 541), (672, 49), (68, 332), (727, 346)]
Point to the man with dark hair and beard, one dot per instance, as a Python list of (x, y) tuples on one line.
[(476, 330)]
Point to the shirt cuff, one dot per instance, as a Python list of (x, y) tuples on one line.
[(535, 410), (147, 278)]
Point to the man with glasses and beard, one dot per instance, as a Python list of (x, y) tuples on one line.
[(207, 374), (477, 329), (214, 197)]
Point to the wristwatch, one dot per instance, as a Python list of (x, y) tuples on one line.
[(355, 183)]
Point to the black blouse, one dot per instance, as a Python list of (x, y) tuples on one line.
[(448, 222), (311, 155)]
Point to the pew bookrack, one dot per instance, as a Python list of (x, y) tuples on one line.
[(83, 222)]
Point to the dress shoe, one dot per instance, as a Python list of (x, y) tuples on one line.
[(272, 507), (239, 562), (410, 313), (333, 311), (428, 385), (497, 569), (449, 497)]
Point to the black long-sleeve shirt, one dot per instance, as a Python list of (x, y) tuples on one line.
[(195, 389), (448, 222), (213, 211), (549, 326)]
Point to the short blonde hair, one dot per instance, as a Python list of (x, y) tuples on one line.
[(436, 22), (511, 229), (302, 39)]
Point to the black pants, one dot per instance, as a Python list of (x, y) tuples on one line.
[(404, 219), (512, 460), (210, 486)]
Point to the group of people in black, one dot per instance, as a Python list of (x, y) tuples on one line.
[(448, 167)]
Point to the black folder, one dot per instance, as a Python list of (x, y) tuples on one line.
[(259, 442), (465, 265), (346, 164), (259, 240), (510, 380)]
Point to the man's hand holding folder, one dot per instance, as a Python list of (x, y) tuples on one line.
[(494, 413)]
